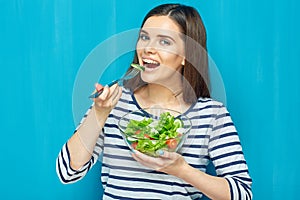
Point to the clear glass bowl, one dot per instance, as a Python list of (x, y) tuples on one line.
[(166, 134)]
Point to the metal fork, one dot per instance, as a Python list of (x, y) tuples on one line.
[(129, 75)]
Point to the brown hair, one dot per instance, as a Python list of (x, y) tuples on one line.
[(195, 70)]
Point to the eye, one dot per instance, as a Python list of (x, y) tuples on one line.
[(144, 37), (165, 42)]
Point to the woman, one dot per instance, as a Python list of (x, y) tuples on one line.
[(172, 48)]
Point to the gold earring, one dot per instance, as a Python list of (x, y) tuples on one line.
[(183, 62)]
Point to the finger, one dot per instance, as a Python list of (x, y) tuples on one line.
[(138, 158), (114, 90), (143, 157), (117, 94), (98, 86), (168, 155), (105, 93), (162, 153), (156, 163), (133, 154), (120, 93), (144, 160)]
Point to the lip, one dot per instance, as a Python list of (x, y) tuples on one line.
[(149, 67), (149, 58)]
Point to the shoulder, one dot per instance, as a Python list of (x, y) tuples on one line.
[(208, 102), (208, 106), (126, 91), (126, 101), (126, 94)]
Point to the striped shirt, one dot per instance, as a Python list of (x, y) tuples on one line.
[(213, 137)]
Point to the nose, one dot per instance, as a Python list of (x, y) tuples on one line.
[(150, 47), (149, 50)]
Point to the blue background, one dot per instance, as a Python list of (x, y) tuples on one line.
[(255, 45)]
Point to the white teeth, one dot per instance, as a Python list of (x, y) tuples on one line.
[(150, 61)]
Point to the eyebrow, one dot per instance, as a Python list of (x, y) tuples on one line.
[(160, 35)]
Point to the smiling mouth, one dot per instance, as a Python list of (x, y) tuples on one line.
[(148, 63)]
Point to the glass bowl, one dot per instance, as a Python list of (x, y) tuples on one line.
[(152, 129)]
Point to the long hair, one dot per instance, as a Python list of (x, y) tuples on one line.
[(195, 70)]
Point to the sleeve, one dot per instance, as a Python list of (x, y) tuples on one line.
[(226, 153), (64, 170)]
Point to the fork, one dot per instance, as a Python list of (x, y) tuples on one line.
[(129, 75)]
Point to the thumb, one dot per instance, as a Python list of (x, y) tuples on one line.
[(98, 86), (166, 154)]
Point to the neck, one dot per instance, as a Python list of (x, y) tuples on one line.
[(161, 94), (157, 95)]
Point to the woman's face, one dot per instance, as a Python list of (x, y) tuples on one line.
[(160, 49)]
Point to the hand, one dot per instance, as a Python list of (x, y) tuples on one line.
[(109, 97), (168, 162)]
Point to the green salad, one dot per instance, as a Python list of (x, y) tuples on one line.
[(148, 135)]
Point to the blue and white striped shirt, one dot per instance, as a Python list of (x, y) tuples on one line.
[(213, 137)]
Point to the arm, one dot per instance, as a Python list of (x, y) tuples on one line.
[(81, 151), (226, 153), (232, 182), (81, 145), (64, 170), (174, 164), (212, 186)]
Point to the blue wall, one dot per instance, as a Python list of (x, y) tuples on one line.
[(255, 45)]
